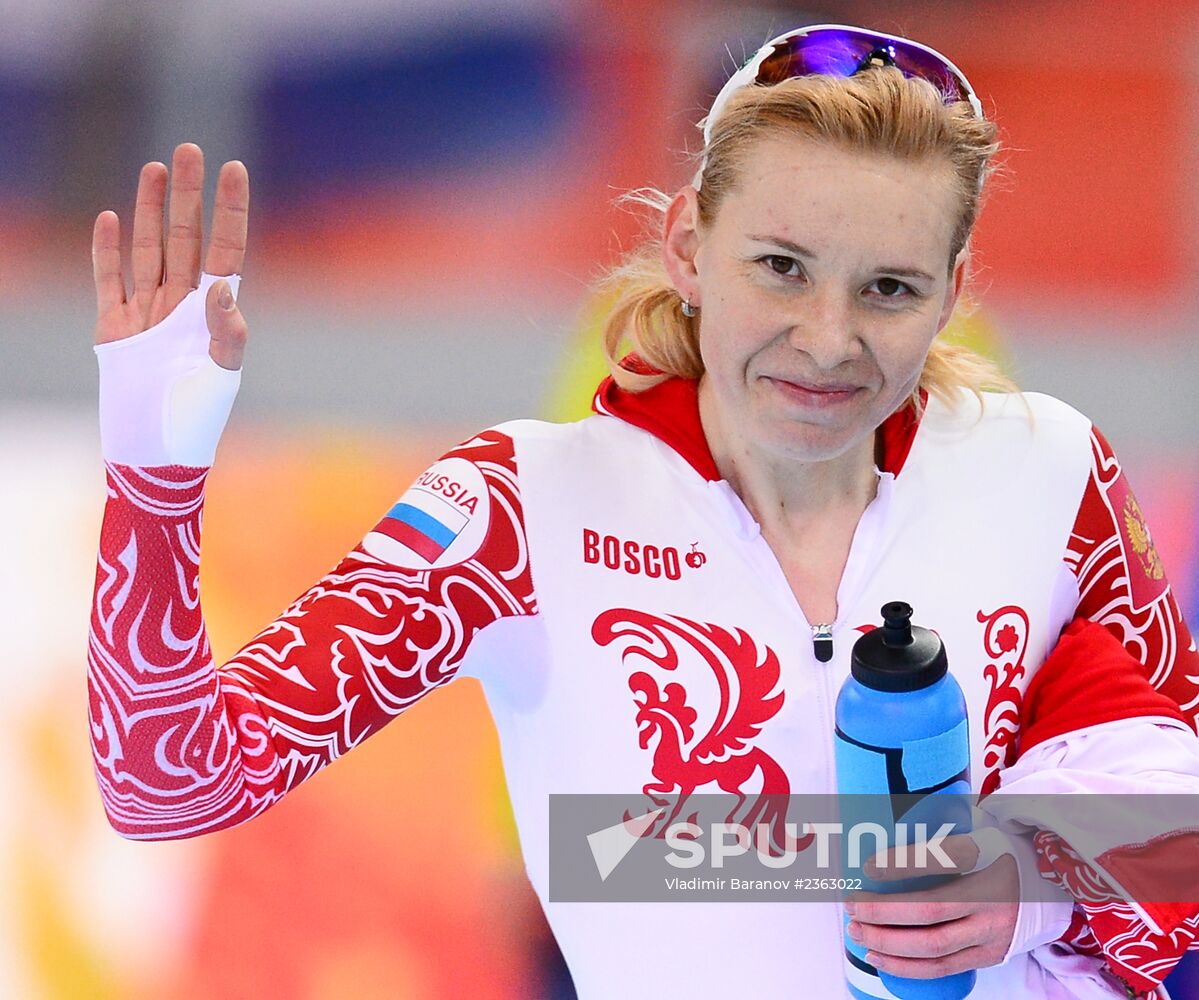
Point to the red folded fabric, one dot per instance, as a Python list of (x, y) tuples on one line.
[(1087, 679)]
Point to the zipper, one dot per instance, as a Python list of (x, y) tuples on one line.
[(822, 641), (854, 578)]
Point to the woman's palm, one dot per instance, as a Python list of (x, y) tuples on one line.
[(166, 262)]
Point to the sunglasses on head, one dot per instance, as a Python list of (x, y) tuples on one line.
[(843, 50)]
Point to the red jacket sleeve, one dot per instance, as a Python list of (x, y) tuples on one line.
[(182, 747), (1127, 653), (1152, 669)]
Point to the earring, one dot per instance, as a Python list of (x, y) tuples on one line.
[(688, 309)]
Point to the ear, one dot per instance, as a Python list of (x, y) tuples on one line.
[(680, 244), (957, 281)]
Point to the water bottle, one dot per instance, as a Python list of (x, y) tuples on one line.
[(901, 730)]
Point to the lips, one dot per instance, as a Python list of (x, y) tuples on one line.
[(818, 387), (815, 393)]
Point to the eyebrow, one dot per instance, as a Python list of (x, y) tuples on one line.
[(802, 251)]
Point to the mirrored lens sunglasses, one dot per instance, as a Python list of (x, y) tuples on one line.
[(843, 50)]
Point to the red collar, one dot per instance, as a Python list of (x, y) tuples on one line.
[(670, 411)]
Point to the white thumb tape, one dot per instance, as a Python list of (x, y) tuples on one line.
[(197, 410), (163, 400), (992, 844)]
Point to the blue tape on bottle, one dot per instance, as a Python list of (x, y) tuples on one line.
[(934, 759)]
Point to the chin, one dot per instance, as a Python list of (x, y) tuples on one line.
[(810, 443)]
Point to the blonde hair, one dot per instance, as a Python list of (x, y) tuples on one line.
[(877, 111)]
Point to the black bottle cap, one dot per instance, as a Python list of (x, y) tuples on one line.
[(899, 656)]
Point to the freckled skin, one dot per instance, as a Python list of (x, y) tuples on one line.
[(834, 319)]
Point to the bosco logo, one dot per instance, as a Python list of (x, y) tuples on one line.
[(441, 520), (637, 558)]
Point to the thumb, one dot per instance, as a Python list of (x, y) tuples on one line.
[(895, 864), (227, 329)]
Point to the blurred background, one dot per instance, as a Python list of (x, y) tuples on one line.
[(432, 197)]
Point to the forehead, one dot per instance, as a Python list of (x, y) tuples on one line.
[(802, 189)]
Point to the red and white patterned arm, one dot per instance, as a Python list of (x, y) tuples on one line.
[(1114, 708), (183, 748)]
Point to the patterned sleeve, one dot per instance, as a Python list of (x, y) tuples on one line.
[(183, 748), (1127, 655), (1122, 584)]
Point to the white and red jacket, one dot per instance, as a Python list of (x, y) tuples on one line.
[(633, 630)]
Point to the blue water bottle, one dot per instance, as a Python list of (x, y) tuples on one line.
[(902, 731)]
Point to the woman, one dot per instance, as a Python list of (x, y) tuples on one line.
[(663, 596)]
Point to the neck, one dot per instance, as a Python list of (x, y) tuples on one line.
[(783, 493)]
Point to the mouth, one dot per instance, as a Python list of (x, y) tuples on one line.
[(815, 394)]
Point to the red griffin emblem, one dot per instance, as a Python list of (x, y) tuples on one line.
[(720, 751), (1005, 638)]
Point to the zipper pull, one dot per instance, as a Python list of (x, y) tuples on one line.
[(822, 642)]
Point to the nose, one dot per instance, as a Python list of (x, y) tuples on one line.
[(825, 326)]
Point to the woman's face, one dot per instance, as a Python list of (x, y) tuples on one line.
[(821, 285)]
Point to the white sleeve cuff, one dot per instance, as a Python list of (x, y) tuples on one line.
[(163, 400), (1038, 921)]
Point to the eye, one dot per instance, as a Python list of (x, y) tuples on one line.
[(892, 288), (782, 265)]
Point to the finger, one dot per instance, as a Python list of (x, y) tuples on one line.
[(106, 262), (976, 957), (147, 236), (928, 941), (186, 228), (227, 329), (227, 246), (899, 863), (927, 906)]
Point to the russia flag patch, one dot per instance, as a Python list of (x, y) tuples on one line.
[(441, 520), (424, 522)]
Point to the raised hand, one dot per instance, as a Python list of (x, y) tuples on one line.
[(164, 272), (170, 354)]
